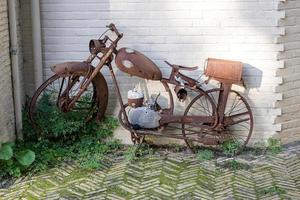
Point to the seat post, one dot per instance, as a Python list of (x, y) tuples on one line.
[(222, 101)]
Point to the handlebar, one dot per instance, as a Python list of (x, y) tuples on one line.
[(99, 45), (113, 28)]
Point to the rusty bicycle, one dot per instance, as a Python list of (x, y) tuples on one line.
[(211, 118)]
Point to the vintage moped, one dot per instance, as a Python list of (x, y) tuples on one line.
[(211, 118)]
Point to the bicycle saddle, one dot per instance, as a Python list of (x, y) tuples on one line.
[(180, 67)]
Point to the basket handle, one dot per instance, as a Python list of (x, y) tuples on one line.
[(205, 65)]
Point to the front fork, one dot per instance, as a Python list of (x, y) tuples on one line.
[(89, 80), (63, 95)]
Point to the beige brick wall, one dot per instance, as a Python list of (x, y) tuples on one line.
[(290, 88), (7, 123)]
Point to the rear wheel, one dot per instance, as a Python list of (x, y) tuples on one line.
[(49, 104), (233, 133), (196, 133)]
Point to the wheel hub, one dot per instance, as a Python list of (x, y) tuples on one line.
[(63, 103)]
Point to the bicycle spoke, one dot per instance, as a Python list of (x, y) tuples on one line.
[(234, 104), (203, 107)]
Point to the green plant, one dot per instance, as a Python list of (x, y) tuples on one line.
[(234, 165), (54, 123), (88, 151), (129, 154), (230, 148), (14, 160), (88, 145), (204, 155), (274, 146), (133, 153)]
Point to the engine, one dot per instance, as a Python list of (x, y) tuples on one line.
[(142, 115)]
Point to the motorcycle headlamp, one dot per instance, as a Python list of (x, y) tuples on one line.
[(96, 46)]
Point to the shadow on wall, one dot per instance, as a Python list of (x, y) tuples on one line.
[(252, 77)]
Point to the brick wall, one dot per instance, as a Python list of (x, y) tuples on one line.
[(290, 88), (184, 32), (7, 123)]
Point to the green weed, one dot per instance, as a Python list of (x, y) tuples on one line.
[(274, 146), (72, 140), (204, 155), (135, 152), (230, 148)]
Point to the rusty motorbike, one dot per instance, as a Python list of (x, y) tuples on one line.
[(211, 118)]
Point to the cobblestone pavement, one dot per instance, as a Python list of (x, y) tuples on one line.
[(175, 176)]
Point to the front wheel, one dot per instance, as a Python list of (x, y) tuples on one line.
[(48, 109)]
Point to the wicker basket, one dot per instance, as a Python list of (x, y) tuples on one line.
[(225, 71)]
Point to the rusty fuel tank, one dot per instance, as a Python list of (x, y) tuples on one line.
[(136, 64)]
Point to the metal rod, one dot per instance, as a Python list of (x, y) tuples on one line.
[(37, 42), (222, 101), (15, 65), (118, 91)]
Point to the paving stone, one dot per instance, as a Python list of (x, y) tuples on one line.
[(176, 176)]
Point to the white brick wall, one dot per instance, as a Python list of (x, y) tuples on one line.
[(184, 32), (7, 122)]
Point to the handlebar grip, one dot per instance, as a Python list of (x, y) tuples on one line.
[(113, 28), (110, 26)]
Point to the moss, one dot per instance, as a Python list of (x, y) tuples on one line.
[(164, 180), (274, 146), (271, 190), (205, 179), (77, 174), (44, 184), (118, 191), (234, 165), (65, 194)]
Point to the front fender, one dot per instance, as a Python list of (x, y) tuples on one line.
[(69, 68), (84, 69)]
